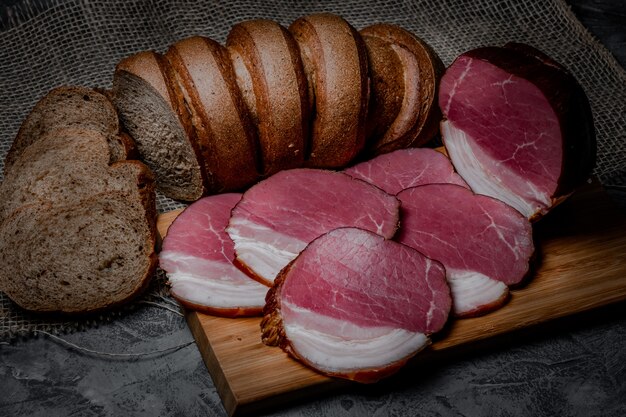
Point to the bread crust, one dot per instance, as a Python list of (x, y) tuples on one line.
[(386, 88), (419, 117), (281, 105), (222, 125), (335, 62)]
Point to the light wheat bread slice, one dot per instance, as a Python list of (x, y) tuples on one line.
[(66, 166), (77, 258), (224, 130), (75, 107), (271, 76), (153, 112)]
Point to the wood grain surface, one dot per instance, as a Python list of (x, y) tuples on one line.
[(580, 265)]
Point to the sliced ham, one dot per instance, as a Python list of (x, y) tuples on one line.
[(484, 244), (278, 217), (355, 305), (406, 168), (197, 258), (518, 127)]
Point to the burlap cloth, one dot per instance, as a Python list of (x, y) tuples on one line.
[(47, 43)]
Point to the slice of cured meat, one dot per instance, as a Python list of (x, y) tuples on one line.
[(484, 244), (405, 168), (197, 258), (363, 311), (518, 126), (276, 218)]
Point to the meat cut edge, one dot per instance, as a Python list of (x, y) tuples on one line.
[(253, 248), (227, 288), (466, 159), (473, 292)]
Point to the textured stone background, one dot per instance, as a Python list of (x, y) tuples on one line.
[(574, 368)]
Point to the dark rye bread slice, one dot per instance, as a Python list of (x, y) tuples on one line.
[(79, 257), (153, 112), (127, 143), (335, 62), (386, 88), (271, 77), (223, 128), (65, 166), (71, 106), (418, 118)]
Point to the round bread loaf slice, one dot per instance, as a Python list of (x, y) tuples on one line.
[(77, 258), (65, 166), (418, 118), (387, 89), (335, 62), (153, 112), (266, 56), (73, 107), (224, 131)]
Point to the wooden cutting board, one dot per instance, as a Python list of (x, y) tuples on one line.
[(581, 265)]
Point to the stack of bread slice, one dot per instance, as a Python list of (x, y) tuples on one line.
[(209, 118), (77, 218)]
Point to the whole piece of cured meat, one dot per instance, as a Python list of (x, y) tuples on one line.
[(197, 258), (484, 244), (517, 127), (405, 168), (362, 312), (276, 218)]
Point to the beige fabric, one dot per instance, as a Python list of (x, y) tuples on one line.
[(50, 43)]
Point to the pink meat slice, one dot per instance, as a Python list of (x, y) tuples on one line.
[(354, 304), (517, 126), (484, 244), (406, 168), (197, 258), (276, 218)]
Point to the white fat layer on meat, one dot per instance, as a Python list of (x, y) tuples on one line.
[(334, 345), (262, 249), (211, 283), (472, 290), (468, 164)]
